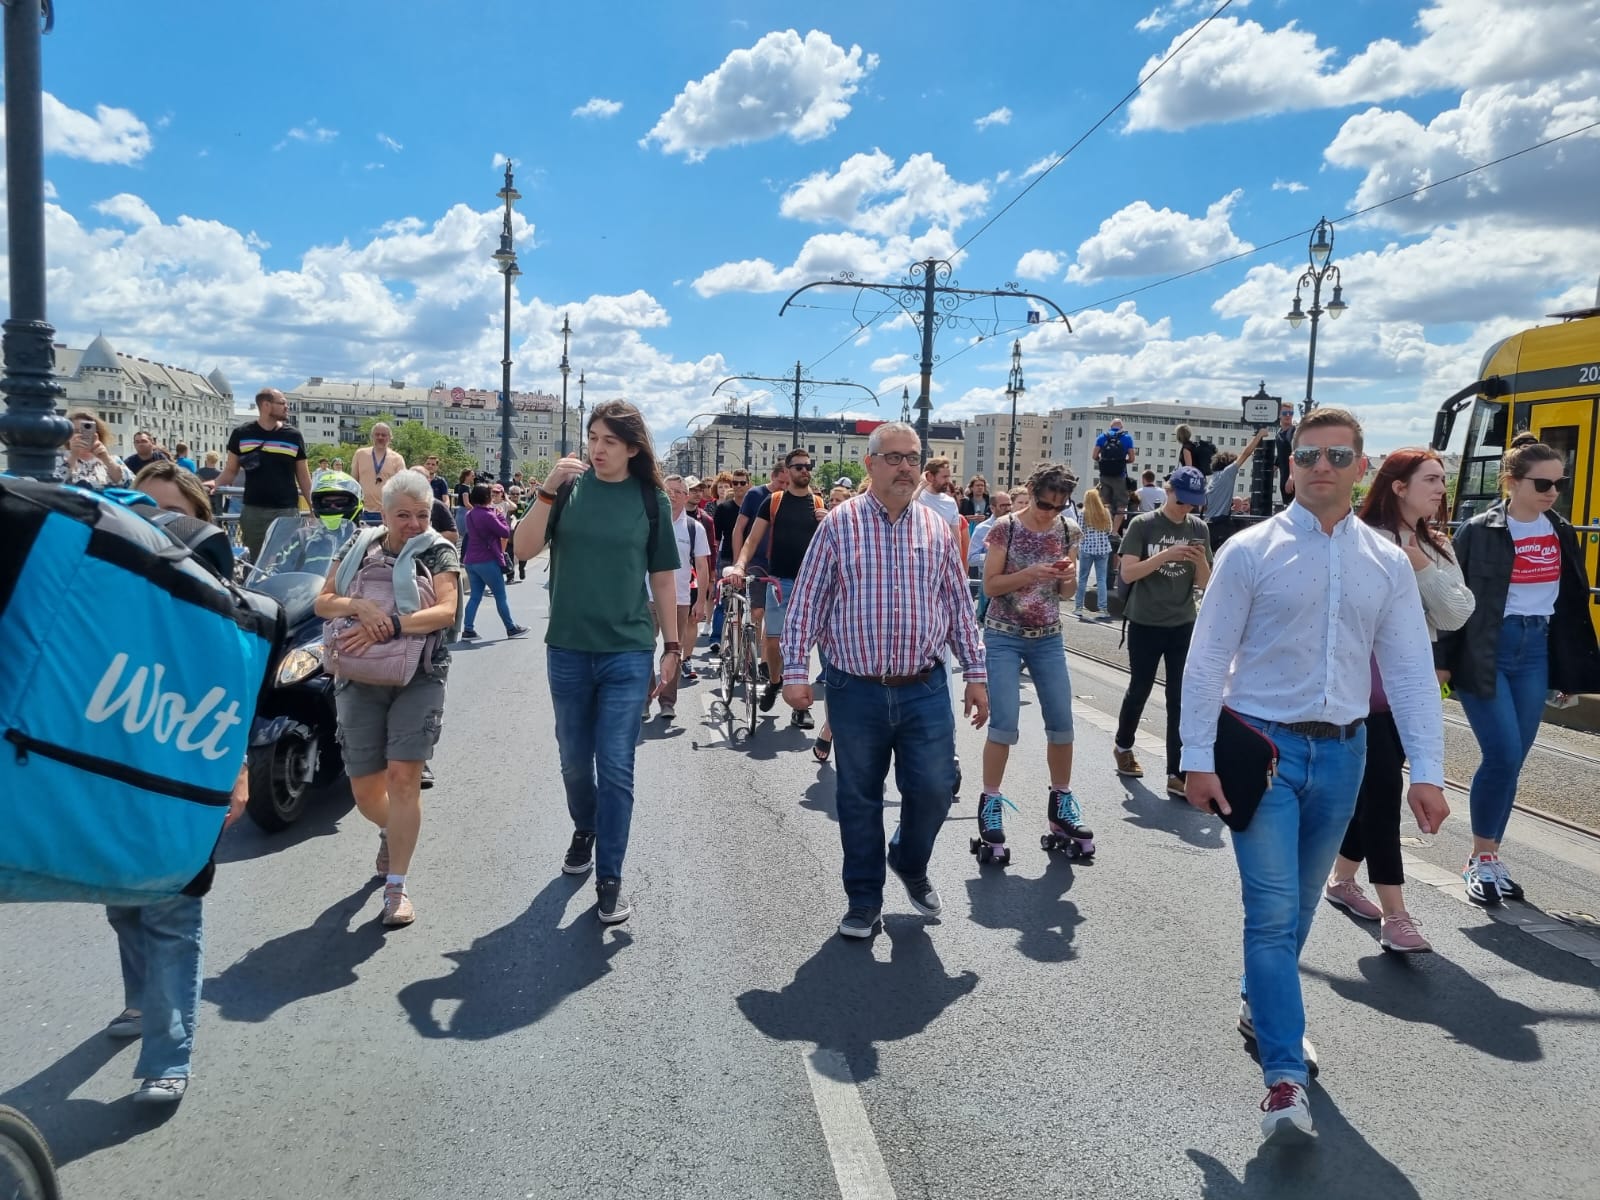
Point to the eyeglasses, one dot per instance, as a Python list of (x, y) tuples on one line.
[(1339, 457), (896, 458), (1544, 485)]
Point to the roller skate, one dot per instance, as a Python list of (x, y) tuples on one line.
[(1067, 831), (990, 844)]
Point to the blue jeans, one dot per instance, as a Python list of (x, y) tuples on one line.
[(489, 575), (1047, 664), (1284, 858), (1506, 723), (598, 698), (916, 725), (161, 946), (1099, 563)]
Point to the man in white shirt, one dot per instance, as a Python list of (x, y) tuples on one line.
[(694, 562), (1296, 609), (1151, 494)]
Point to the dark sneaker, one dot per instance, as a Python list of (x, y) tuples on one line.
[(161, 1091), (129, 1023), (580, 855), (614, 908), (517, 631), (769, 697), (802, 719), (762, 673), (427, 777), (860, 923), (1482, 886), (468, 634), (714, 650), (922, 894), (1510, 889)]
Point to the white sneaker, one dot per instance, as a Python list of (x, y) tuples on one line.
[(1288, 1119)]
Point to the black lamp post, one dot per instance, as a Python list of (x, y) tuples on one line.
[(1014, 389), (566, 369), (583, 434), (29, 427), (1321, 251), (506, 258)]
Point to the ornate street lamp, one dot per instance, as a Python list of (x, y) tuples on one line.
[(506, 260), (1014, 389), (566, 369), (1320, 251), (583, 434)]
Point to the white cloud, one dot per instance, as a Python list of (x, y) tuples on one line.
[(892, 362), (1551, 187), (1238, 69), (823, 257), (1039, 165), (310, 133), (499, 161), (1039, 264), (1141, 240), (1165, 14), (922, 189), (111, 135), (390, 143), (129, 209), (1288, 185), (599, 108), (1000, 116), (782, 85)]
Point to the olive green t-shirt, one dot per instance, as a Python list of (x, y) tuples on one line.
[(597, 561), (1164, 597)]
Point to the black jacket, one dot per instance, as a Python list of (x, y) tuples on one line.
[(1485, 552)]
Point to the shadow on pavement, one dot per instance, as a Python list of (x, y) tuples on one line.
[(542, 963), (1037, 908), (1340, 1163), (78, 1128), (1530, 954), (820, 796), (1429, 989), (775, 736), (1148, 809), (325, 808), (844, 1000), (320, 958)]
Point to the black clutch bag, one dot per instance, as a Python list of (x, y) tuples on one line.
[(1246, 761)]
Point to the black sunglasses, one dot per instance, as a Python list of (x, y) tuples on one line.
[(1046, 506), (1544, 485)]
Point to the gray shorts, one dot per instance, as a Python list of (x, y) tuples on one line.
[(381, 725)]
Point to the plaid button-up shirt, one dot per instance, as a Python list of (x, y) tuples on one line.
[(881, 596)]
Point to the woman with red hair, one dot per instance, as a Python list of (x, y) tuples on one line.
[(1407, 496)]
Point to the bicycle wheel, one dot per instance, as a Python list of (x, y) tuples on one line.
[(752, 681), (732, 657)]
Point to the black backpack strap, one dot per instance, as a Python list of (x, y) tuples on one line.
[(563, 494), (652, 513)]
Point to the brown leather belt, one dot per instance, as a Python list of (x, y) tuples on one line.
[(899, 680), (1325, 729)]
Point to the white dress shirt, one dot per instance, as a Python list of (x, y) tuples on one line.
[(1288, 628)]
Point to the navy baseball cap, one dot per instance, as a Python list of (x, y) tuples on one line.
[(1188, 485)]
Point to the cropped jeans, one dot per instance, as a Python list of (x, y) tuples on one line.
[(162, 946), (1046, 657), (598, 698), (915, 725), (1284, 857), (1099, 564), (1506, 723)]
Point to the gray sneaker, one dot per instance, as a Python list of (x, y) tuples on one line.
[(1247, 1027), (126, 1024), (922, 894), (614, 907), (860, 923), (161, 1091)]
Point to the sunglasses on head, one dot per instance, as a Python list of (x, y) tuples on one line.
[(1339, 457), (1544, 485)]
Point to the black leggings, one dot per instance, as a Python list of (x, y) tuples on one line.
[(1374, 833), (1147, 646)]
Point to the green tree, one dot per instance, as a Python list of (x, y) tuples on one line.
[(416, 442), (829, 471), (539, 468)]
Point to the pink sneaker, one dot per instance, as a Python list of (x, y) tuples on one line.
[(1347, 894), (1399, 933)]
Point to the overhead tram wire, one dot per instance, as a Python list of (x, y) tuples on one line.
[(1110, 112)]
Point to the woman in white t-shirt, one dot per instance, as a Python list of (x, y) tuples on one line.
[(1528, 638)]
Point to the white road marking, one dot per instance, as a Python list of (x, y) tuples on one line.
[(853, 1148)]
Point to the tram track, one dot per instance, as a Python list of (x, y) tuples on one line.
[(1575, 757)]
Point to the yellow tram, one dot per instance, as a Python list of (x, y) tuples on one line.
[(1547, 380)]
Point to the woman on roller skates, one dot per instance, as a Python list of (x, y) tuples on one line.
[(1029, 569)]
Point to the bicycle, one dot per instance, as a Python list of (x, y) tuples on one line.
[(739, 642)]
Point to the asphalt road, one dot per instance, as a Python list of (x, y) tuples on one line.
[(1063, 1031)]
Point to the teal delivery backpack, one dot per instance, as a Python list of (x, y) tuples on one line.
[(129, 675)]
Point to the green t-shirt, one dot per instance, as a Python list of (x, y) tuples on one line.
[(597, 559), (1164, 597)]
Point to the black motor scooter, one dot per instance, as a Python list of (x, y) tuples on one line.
[(294, 748)]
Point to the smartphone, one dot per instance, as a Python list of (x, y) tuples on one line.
[(1061, 564), (88, 434)]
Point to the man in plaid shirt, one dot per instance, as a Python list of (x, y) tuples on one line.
[(883, 594)]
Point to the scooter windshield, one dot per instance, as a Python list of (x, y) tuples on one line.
[(301, 545)]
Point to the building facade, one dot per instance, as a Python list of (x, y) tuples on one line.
[(129, 394), (722, 444), (988, 446), (1073, 432)]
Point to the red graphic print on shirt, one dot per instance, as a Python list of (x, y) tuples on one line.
[(1538, 560)]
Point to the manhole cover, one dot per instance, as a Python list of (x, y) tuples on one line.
[(1578, 919)]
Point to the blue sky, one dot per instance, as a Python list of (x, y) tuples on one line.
[(295, 189)]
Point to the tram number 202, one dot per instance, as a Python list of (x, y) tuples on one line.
[(1589, 374)]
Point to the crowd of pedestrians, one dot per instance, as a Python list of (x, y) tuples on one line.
[(1319, 636)]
